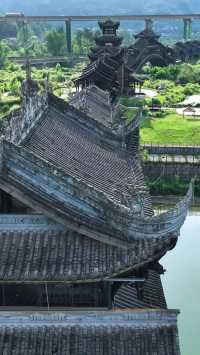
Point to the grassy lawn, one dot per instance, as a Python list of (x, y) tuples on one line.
[(172, 128)]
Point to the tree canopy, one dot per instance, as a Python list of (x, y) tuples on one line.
[(3, 53), (56, 41)]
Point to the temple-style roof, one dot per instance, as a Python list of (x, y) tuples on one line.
[(74, 169), (147, 34), (95, 103), (99, 51), (152, 296), (148, 49), (88, 228), (102, 72), (109, 34), (108, 26), (109, 219), (105, 332), (34, 248), (58, 139), (108, 42), (106, 59), (186, 50)]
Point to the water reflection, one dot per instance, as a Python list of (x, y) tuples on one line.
[(182, 283)]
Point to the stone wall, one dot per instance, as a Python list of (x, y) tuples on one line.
[(171, 149)]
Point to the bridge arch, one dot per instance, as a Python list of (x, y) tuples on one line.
[(154, 59)]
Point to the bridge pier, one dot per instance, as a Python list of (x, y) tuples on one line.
[(68, 36), (148, 24), (187, 29)]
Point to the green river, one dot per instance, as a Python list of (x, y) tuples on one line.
[(182, 283)]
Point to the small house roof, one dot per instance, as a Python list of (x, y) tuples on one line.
[(189, 109)]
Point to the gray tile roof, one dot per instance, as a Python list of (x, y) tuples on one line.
[(97, 104), (97, 333), (152, 294), (59, 139), (28, 254)]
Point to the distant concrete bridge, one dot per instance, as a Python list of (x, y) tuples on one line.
[(186, 18), (17, 16)]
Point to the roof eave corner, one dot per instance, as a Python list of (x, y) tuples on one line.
[(34, 105)]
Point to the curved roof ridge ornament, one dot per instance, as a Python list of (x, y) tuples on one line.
[(174, 217), (103, 212), (180, 207)]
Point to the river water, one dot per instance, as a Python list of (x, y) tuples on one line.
[(182, 283)]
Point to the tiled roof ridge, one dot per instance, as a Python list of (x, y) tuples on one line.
[(116, 217), (86, 120), (22, 121), (73, 259)]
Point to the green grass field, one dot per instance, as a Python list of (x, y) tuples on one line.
[(172, 128)]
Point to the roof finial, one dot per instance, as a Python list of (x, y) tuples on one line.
[(47, 83)]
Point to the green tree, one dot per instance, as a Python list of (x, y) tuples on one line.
[(187, 74), (25, 38), (83, 40), (56, 42), (3, 54)]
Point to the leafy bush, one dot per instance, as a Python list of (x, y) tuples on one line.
[(3, 54), (191, 89), (60, 77), (167, 73), (132, 101), (180, 73), (175, 186)]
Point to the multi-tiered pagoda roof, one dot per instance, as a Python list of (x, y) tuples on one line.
[(148, 49), (106, 61), (108, 42), (77, 230)]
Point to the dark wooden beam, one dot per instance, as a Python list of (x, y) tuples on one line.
[(127, 279)]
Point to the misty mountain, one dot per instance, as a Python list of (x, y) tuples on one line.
[(104, 7)]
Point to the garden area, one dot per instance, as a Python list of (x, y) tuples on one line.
[(12, 75), (161, 123), (170, 128), (173, 84)]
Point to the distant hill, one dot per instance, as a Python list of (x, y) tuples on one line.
[(84, 7)]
